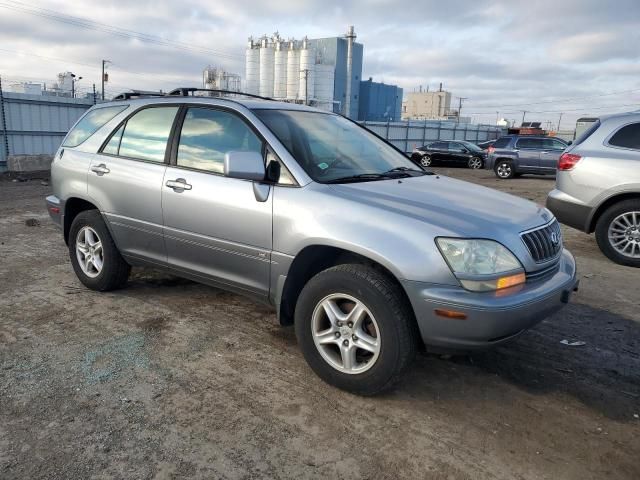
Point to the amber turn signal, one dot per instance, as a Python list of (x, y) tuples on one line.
[(511, 281), (450, 314)]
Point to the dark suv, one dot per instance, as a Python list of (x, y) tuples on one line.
[(514, 155), (454, 152)]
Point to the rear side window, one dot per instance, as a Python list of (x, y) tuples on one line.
[(146, 134), (440, 145), (553, 144), (627, 137), (587, 133), (531, 143), (90, 124), (501, 142)]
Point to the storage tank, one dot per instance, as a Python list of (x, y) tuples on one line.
[(252, 68), (280, 71), (324, 88), (265, 87), (293, 71), (307, 71)]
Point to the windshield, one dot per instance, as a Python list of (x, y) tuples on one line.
[(472, 146), (331, 148)]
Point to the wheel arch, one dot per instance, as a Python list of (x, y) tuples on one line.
[(612, 200), (313, 259), (72, 207)]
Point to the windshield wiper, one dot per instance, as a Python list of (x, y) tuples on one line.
[(363, 177), (406, 170)]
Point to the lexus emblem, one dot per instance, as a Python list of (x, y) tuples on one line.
[(555, 238)]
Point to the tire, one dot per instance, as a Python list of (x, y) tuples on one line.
[(475, 163), (425, 161), (89, 237), (387, 320), (504, 169), (612, 227)]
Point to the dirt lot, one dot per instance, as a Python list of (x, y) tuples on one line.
[(171, 379)]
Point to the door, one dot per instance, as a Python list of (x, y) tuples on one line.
[(529, 153), (549, 157), (458, 153), (214, 227), (439, 151), (125, 180)]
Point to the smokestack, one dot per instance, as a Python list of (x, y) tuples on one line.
[(350, 36), (440, 87)]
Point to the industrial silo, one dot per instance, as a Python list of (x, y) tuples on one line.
[(266, 68), (293, 71), (252, 68), (324, 79), (280, 71), (307, 71)]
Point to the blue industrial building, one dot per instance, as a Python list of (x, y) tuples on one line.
[(379, 102)]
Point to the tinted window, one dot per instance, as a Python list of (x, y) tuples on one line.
[(146, 134), (455, 147), (627, 137), (112, 147), (532, 143), (502, 142), (90, 124), (587, 133), (553, 144), (440, 145), (207, 135)]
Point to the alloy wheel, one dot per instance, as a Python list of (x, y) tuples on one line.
[(345, 333), (624, 234), (89, 252), (504, 170), (475, 163), (425, 161)]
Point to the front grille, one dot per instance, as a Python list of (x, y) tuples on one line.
[(544, 243)]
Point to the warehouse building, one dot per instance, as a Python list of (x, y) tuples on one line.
[(379, 102), (427, 105)]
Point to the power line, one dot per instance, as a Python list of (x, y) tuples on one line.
[(112, 30)]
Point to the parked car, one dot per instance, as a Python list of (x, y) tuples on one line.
[(598, 186), (514, 155), (487, 144), (368, 255), (451, 153)]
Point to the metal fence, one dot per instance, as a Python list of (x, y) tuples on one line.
[(36, 124), (410, 134)]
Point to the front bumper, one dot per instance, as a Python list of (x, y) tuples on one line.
[(568, 212), (55, 207), (491, 319)]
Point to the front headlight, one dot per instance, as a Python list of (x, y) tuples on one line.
[(481, 265)]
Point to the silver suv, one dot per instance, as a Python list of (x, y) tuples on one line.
[(598, 186), (369, 256)]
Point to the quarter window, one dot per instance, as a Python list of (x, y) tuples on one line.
[(146, 134), (207, 135), (90, 124), (627, 137)]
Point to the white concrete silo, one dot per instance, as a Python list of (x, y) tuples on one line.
[(280, 71), (324, 86), (266, 68), (252, 68), (293, 71), (307, 71)]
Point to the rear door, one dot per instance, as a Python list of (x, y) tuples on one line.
[(125, 180), (215, 229), (549, 157), (439, 151), (529, 153)]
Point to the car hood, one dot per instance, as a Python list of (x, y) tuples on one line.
[(452, 207)]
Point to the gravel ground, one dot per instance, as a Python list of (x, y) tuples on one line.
[(170, 379)]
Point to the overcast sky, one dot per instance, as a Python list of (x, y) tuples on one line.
[(581, 57)]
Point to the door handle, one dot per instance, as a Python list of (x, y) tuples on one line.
[(100, 169), (178, 184)]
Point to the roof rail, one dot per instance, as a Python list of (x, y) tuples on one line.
[(184, 92), (137, 94)]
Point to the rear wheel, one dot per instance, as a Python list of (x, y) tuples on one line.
[(94, 256), (475, 163), (354, 328), (618, 233), (425, 161), (504, 169)]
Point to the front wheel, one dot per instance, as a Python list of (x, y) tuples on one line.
[(94, 256), (618, 233), (475, 163), (504, 169), (354, 328)]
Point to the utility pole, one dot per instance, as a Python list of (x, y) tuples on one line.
[(4, 124), (559, 120), (524, 112), (460, 100), (497, 117), (104, 63)]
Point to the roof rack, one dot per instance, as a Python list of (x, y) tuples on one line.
[(137, 94), (184, 92)]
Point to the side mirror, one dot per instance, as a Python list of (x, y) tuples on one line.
[(244, 165), (570, 142)]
